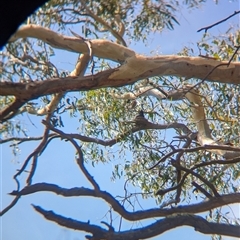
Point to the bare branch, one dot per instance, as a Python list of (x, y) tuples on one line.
[(98, 232), (212, 203), (136, 66), (34, 155), (109, 142), (210, 185), (178, 172), (80, 160), (206, 147), (25, 139), (215, 24), (19, 139), (27, 91), (117, 139), (12, 204), (202, 190), (164, 191), (151, 230)]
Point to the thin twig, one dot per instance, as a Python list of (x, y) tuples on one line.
[(34, 155), (164, 191), (205, 147), (221, 21), (202, 190), (80, 160), (219, 65), (20, 140), (210, 185), (13, 203), (179, 173)]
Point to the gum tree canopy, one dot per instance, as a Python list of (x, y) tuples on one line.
[(168, 125)]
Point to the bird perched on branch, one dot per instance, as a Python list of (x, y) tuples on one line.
[(140, 119), (132, 104), (140, 114)]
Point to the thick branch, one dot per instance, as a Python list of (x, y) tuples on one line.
[(33, 90), (157, 228), (101, 48), (136, 66), (131, 216)]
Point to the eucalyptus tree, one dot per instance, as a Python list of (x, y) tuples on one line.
[(171, 121)]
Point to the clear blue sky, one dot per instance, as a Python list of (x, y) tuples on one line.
[(22, 222)]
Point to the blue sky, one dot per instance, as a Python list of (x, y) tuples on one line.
[(22, 222)]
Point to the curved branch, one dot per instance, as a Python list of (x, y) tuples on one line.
[(97, 232), (210, 185), (131, 216), (101, 48), (147, 125), (164, 191), (34, 155), (151, 230), (221, 21), (136, 66), (110, 142), (80, 160)]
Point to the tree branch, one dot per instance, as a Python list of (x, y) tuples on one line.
[(34, 155), (101, 48), (206, 147), (80, 160), (24, 139), (215, 24), (12, 204), (201, 189), (131, 216), (133, 70), (164, 191), (104, 23), (10, 110), (210, 185), (109, 142), (151, 230), (136, 66)]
